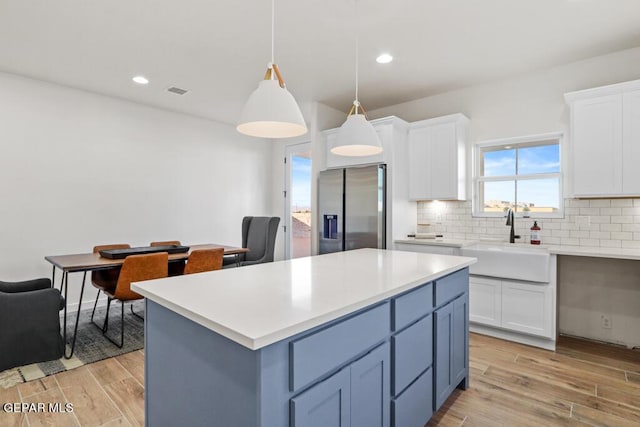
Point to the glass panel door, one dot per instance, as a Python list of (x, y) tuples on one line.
[(298, 201)]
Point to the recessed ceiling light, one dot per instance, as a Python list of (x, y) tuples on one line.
[(141, 80), (385, 58)]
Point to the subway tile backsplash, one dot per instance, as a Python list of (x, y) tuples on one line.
[(612, 223)]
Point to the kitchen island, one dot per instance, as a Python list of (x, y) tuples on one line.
[(363, 338)]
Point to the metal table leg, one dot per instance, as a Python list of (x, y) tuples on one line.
[(65, 277)]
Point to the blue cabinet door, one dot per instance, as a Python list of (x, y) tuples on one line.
[(326, 404), (451, 361), (460, 357), (370, 379), (442, 362)]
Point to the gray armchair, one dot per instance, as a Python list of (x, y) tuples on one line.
[(29, 323), (259, 236)]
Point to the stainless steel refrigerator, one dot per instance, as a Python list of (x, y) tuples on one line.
[(352, 208)]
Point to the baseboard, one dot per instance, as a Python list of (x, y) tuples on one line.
[(621, 344), (88, 304), (627, 344), (531, 340)]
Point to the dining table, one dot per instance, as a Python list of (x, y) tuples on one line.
[(87, 262)]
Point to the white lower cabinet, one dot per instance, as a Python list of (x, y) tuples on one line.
[(525, 307), (485, 297)]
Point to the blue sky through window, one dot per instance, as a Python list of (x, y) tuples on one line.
[(540, 159), (300, 183), (500, 163), (529, 161)]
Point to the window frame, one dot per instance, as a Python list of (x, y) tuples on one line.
[(517, 142)]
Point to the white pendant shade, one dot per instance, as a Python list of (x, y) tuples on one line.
[(271, 112), (357, 137)]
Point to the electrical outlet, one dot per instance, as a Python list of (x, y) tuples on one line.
[(605, 321)]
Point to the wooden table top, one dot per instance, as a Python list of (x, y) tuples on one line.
[(91, 261)]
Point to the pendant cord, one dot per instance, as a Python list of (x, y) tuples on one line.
[(357, 102), (273, 19)]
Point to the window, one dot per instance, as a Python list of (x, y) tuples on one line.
[(522, 174)]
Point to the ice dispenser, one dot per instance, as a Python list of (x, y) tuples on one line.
[(330, 227)]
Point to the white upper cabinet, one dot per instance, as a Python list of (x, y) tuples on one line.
[(631, 142), (605, 140), (437, 160)]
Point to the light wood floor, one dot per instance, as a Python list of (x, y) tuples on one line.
[(583, 383), (105, 393)]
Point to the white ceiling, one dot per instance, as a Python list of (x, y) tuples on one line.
[(219, 50)]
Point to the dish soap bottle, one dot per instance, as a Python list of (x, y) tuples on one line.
[(535, 233)]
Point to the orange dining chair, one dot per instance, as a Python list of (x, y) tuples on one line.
[(176, 267), (105, 279), (204, 260), (135, 268), (166, 243)]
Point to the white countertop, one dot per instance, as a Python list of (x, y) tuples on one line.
[(453, 243), (587, 251), (261, 304), (598, 252)]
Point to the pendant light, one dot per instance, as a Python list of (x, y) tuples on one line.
[(271, 111), (356, 136)]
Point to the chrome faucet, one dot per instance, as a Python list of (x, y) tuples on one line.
[(511, 221)]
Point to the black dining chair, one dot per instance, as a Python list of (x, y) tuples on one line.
[(259, 236)]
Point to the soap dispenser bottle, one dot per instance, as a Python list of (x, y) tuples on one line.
[(535, 233)]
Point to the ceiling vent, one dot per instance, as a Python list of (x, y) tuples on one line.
[(177, 90)]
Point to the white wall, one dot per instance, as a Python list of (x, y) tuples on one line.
[(79, 169), (594, 287), (527, 105)]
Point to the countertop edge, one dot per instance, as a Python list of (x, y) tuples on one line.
[(595, 252), (569, 250), (255, 343), (452, 243)]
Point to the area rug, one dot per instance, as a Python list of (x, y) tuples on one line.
[(91, 346)]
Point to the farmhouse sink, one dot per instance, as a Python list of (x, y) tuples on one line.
[(509, 261)]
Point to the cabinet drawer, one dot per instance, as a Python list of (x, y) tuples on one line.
[(411, 306), (451, 286), (414, 407), (413, 353), (319, 353)]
